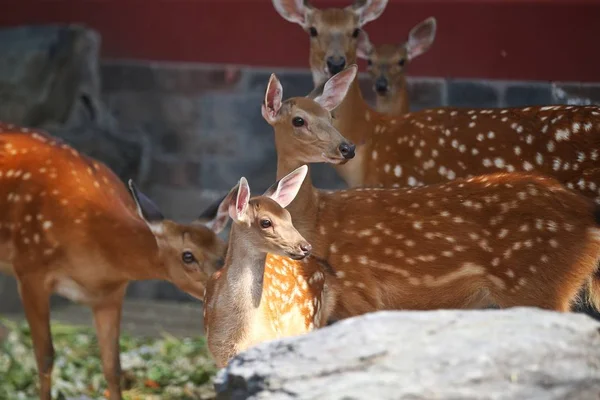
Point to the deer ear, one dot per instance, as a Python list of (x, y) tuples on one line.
[(237, 209), (336, 88), (285, 190), (273, 97), (368, 10), (293, 10), (146, 208), (216, 216), (421, 37), (364, 48)]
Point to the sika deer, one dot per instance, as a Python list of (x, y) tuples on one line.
[(69, 226), (439, 145), (387, 62), (517, 239), (237, 312)]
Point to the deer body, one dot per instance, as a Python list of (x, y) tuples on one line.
[(439, 145), (245, 306), (506, 238), (69, 226)]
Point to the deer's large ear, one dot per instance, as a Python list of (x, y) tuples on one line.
[(364, 48), (146, 209), (237, 209), (368, 10), (293, 10), (216, 216), (336, 88), (273, 98), (421, 37), (285, 190)]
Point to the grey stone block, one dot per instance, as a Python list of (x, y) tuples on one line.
[(174, 78), (576, 93), (426, 93), (462, 93), (524, 94), (295, 83)]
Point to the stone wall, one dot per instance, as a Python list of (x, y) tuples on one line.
[(206, 129)]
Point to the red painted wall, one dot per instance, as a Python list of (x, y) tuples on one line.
[(503, 39)]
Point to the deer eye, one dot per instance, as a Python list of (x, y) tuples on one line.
[(298, 122), (355, 33), (313, 31), (401, 62), (265, 223), (369, 62), (188, 257)]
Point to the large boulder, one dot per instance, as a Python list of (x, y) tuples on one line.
[(50, 79), (519, 353)]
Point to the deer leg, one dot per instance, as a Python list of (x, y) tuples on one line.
[(107, 319), (36, 303)]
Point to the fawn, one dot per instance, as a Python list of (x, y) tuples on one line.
[(237, 312), (439, 145), (68, 225), (505, 239), (387, 62)]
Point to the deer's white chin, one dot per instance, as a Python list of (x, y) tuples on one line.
[(332, 160)]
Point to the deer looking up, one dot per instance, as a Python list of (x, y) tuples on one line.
[(68, 225), (439, 145), (387, 64), (239, 310), (507, 238)]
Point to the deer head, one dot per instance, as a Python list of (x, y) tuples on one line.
[(190, 253), (303, 126), (263, 222), (333, 32), (386, 63)]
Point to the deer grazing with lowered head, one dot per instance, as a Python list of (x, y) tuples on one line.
[(68, 225), (241, 306), (509, 239), (387, 63), (439, 145)]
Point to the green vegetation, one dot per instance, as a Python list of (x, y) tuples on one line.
[(167, 368)]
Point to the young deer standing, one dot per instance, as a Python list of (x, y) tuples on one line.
[(515, 239), (240, 305), (69, 226), (439, 145), (387, 62)]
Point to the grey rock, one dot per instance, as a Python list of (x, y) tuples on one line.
[(519, 353), (50, 79)]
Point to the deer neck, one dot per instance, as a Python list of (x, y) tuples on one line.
[(304, 207), (352, 119), (139, 248), (244, 268), (393, 104)]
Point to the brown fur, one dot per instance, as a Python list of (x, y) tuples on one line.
[(69, 225), (238, 313), (508, 239), (438, 145)]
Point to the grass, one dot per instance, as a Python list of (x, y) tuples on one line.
[(167, 368)]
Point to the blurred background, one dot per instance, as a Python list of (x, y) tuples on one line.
[(168, 92)]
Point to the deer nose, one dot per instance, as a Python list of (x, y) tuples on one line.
[(381, 85), (306, 248), (347, 150), (335, 64)]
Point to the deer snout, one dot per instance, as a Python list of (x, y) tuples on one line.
[(335, 64), (347, 150), (305, 249), (381, 85)]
